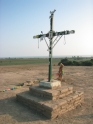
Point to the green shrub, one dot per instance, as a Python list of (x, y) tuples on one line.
[(91, 59), (76, 63), (70, 63), (64, 61), (87, 63)]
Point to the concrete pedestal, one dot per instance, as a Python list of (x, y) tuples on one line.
[(50, 101), (51, 85)]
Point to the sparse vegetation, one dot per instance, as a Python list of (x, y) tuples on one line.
[(73, 61), (76, 62), (26, 61)]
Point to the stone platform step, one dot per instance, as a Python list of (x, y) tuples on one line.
[(51, 94), (51, 108)]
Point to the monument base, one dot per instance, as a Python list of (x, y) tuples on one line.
[(51, 103), (51, 85), (51, 108)]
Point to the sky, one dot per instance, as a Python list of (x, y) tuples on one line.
[(20, 20)]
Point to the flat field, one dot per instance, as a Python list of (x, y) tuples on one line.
[(12, 112), (26, 61)]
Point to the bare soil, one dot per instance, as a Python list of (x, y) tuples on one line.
[(12, 112)]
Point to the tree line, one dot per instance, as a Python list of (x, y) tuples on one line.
[(68, 62)]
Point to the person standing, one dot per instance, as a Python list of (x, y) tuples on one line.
[(60, 72)]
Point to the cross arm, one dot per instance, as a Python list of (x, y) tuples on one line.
[(55, 34), (41, 35), (64, 33), (61, 33)]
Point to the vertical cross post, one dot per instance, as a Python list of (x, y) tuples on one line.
[(50, 47), (50, 61)]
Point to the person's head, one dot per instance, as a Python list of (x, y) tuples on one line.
[(61, 65)]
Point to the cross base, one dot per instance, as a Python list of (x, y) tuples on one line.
[(50, 85)]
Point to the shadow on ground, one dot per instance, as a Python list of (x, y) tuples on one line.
[(21, 113)]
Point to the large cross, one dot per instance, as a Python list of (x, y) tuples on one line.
[(50, 35)]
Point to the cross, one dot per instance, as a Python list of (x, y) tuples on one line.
[(51, 34)]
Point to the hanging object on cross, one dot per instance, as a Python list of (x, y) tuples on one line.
[(38, 43), (64, 40)]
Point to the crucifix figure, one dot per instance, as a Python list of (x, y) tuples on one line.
[(51, 35)]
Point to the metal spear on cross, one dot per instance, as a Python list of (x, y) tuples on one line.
[(50, 35)]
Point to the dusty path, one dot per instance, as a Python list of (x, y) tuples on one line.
[(12, 112)]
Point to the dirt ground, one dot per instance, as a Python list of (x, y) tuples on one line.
[(12, 112)]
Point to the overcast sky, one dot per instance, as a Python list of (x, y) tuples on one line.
[(20, 20)]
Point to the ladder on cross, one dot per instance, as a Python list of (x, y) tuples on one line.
[(50, 35)]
